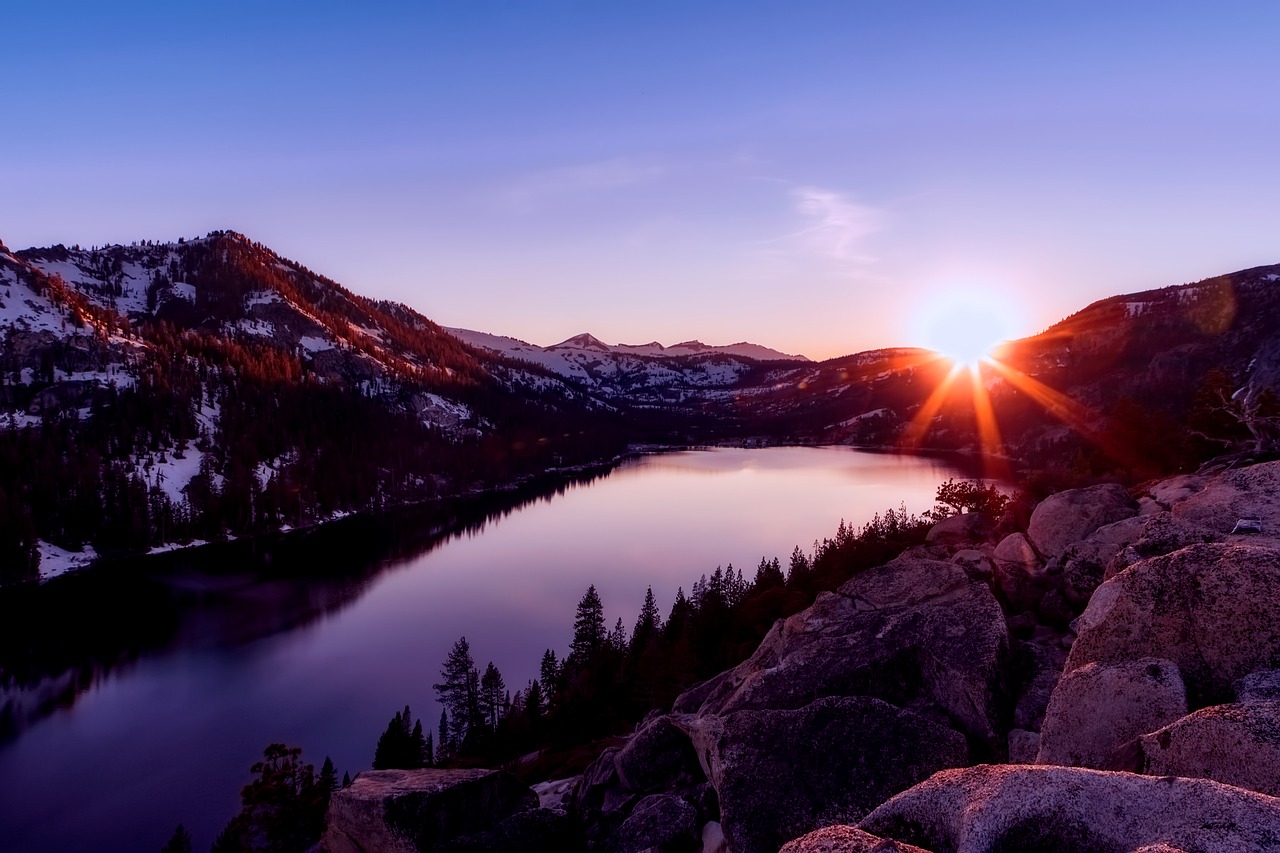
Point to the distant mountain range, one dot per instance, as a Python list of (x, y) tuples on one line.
[(190, 390), (554, 355)]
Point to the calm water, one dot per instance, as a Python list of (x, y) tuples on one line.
[(161, 728)]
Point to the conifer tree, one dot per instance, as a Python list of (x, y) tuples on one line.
[(589, 632), (648, 624), (492, 696)]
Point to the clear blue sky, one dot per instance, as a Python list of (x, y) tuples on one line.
[(817, 177)]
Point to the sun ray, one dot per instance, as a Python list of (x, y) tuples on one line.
[(995, 465)]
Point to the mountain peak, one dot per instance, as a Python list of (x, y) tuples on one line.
[(583, 341)]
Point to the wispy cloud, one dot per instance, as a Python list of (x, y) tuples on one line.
[(527, 191), (838, 227)]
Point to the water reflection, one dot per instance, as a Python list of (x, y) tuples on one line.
[(138, 698), (60, 639)]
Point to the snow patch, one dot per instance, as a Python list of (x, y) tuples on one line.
[(55, 561)]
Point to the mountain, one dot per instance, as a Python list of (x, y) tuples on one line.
[(165, 393), (650, 374), (161, 393)]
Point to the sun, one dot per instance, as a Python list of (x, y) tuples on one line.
[(965, 327)]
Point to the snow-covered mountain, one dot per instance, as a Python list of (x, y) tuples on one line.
[(587, 342)]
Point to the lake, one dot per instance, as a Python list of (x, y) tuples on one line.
[(156, 687)]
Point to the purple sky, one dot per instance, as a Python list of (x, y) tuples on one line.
[(817, 177)]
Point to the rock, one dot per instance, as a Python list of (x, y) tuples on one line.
[(976, 563), (1261, 686), (964, 529), (1097, 708), (1019, 571), (993, 808), (400, 811), (1211, 609), (914, 632), (532, 831), (1175, 489), (1252, 492), (1235, 744), (1160, 534), (781, 774), (600, 790), (1024, 746), (659, 756), (661, 822), (845, 839), (1067, 517)]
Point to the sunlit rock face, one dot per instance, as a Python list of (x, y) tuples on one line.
[(1238, 744), (846, 839), (1211, 609), (1098, 708), (1067, 517), (406, 811), (993, 808)]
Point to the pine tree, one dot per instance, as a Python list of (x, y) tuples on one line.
[(589, 632), (346, 779), (458, 691), (648, 624), (618, 637), (443, 747), (492, 696), (548, 678)]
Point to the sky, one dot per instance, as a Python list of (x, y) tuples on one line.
[(818, 177)]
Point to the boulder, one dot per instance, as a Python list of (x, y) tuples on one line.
[(532, 831), (1262, 686), (1073, 810), (975, 562), (1211, 609), (845, 839), (914, 632), (1067, 517), (659, 756), (1019, 571), (1024, 746), (1235, 744), (1159, 534), (963, 529), (402, 811), (1098, 708), (1252, 492), (1174, 489), (781, 774), (600, 789), (659, 822)]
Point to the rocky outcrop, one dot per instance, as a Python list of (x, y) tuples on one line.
[(846, 839), (1072, 810), (1252, 492), (918, 633), (1067, 517), (964, 529), (1098, 708), (1236, 744), (404, 811), (662, 822), (1211, 609), (780, 774)]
